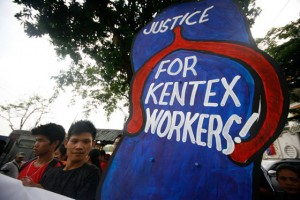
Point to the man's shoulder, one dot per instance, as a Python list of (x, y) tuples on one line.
[(9, 164), (55, 163), (26, 164), (6, 165), (56, 169), (90, 167), (50, 173)]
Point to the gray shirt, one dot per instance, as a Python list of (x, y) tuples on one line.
[(11, 169)]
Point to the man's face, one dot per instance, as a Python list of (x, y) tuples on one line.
[(19, 159), (289, 181), (42, 145), (78, 147)]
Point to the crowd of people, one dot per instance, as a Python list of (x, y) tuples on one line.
[(66, 164), (69, 165)]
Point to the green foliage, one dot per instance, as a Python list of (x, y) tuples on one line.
[(250, 10), (33, 108), (97, 35), (283, 44)]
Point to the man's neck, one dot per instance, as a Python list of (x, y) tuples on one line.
[(42, 160)]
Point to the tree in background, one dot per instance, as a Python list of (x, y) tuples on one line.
[(283, 44), (17, 114), (97, 35)]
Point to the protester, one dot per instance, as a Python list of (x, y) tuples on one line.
[(116, 141), (77, 179), (94, 157), (48, 138), (288, 178), (102, 158), (107, 157), (61, 154), (12, 168)]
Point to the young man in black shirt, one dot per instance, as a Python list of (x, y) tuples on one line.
[(288, 178), (77, 179)]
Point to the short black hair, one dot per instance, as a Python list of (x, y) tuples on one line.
[(52, 131), (94, 157), (82, 126), (62, 149), (102, 153), (287, 166)]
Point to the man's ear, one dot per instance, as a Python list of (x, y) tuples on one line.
[(65, 142), (93, 143), (55, 144)]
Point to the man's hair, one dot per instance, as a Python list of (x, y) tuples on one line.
[(62, 149), (82, 126), (289, 167), (102, 153), (52, 131), (94, 157)]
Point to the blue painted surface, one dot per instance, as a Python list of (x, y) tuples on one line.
[(147, 166), (225, 23)]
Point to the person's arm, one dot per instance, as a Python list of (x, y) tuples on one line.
[(4, 169), (29, 183)]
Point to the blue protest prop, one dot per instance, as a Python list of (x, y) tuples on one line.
[(205, 104)]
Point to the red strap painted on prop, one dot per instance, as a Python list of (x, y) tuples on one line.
[(264, 69)]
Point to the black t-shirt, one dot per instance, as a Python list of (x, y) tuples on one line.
[(286, 196), (79, 183)]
